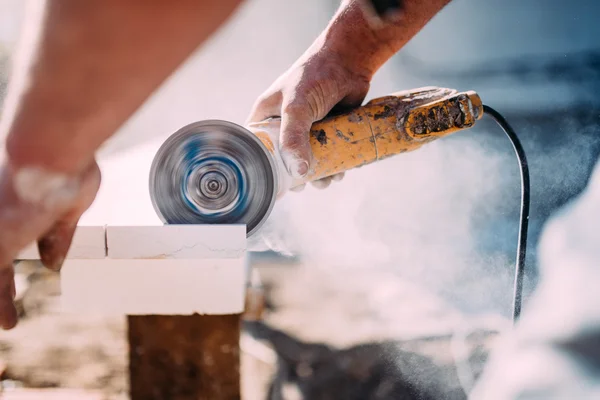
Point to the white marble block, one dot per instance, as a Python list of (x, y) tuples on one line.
[(161, 270), (176, 242), (153, 287), (88, 243)]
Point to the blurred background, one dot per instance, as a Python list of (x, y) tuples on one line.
[(418, 245)]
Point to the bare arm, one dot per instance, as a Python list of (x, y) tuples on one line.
[(98, 61), (336, 70), (368, 47), (88, 66)]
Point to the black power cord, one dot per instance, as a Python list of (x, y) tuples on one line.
[(525, 200)]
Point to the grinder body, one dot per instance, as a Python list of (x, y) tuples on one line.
[(219, 172), (385, 126)]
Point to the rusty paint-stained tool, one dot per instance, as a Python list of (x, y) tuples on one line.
[(218, 172)]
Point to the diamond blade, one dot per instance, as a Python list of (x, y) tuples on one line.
[(213, 172)]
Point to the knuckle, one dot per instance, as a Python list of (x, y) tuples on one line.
[(315, 103), (294, 139), (297, 126), (323, 93), (296, 109)]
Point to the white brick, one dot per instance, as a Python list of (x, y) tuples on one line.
[(176, 241), (153, 287), (88, 243)]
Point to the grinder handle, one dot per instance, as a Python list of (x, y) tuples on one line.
[(389, 125)]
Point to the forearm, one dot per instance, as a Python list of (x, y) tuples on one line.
[(96, 63), (366, 48)]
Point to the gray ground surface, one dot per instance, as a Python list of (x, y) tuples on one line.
[(52, 350)]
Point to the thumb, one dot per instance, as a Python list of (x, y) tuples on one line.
[(295, 149)]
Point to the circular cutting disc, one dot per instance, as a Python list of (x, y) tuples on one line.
[(213, 172)]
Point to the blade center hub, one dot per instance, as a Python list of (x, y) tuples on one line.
[(213, 187)]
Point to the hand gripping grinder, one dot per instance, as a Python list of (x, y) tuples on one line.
[(217, 172)]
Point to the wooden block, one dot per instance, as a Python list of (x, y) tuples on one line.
[(88, 243), (193, 357), (154, 287), (176, 242)]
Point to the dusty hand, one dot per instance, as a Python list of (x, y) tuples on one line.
[(307, 92), (42, 206)]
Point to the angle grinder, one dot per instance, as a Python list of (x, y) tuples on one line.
[(218, 172)]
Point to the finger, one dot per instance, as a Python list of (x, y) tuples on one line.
[(8, 312), (20, 221), (338, 177), (296, 121), (265, 107), (298, 188), (322, 183), (54, 245)]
